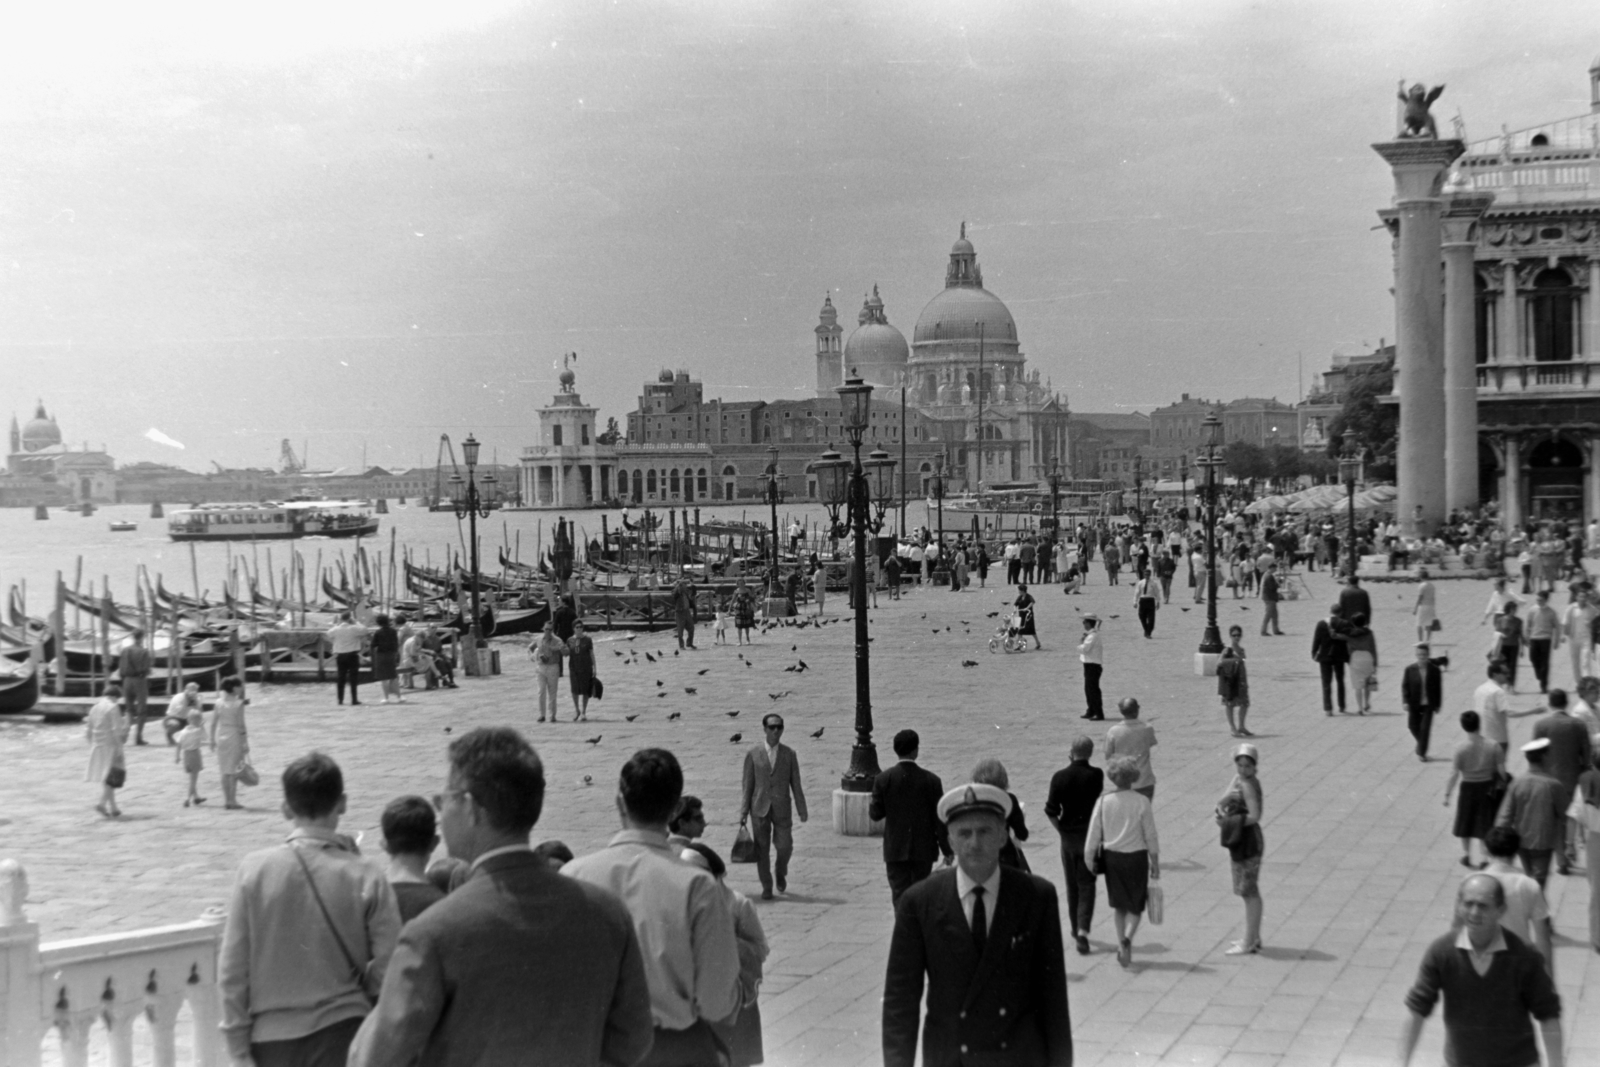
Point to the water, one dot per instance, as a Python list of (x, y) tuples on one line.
[(32, 552)]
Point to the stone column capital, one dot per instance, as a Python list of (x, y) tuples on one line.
[(1419, 166)]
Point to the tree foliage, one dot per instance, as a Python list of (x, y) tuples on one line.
[(1245, 461), (1376, 424)]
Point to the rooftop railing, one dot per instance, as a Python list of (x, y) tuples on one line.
[(1554, 161)]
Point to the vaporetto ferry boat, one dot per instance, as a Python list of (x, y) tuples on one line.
[(273, 521)]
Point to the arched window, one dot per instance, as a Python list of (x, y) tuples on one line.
[(638, 486), (650, 480), (1553, 316), (702, 477), (730, 471), (675, 490), (1484, 313), (688, 484)]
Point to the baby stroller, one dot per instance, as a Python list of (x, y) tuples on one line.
[(1008, 635)]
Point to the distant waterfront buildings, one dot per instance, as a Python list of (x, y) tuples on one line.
[(42, 469)]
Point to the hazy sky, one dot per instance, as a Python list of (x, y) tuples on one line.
[(367, 221)]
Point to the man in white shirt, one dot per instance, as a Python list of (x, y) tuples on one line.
[(1091, 654), (1489, 701), (345, 638), (1527, 914), (1576, 627)]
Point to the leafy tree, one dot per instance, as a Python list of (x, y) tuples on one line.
[(1285, 462), (1245, 461), (1376, 425)]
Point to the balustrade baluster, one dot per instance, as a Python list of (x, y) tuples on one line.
[(164, 1009), (74, 1027)]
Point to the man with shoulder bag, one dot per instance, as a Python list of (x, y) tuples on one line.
[(309, 933)]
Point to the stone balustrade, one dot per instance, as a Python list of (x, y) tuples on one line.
[(73, 987)]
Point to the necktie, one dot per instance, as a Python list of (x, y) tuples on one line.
[(980, 921)]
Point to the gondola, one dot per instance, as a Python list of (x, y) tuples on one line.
[(19, 687)]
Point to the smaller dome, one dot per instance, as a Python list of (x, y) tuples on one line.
[(40, 432), (665, 377), (962, 247), (874, 345)]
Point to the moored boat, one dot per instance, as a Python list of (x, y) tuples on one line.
[(19, 687)]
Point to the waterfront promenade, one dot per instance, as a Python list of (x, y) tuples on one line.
[(1360, 871)]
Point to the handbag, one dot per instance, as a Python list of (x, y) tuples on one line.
[(358, 973), (1435, 626), (597, 689), (1155, 904), (744, 845), (247, 773), (117, 776)]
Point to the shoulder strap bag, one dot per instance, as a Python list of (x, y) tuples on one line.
[(1097, 862), (358, 974)]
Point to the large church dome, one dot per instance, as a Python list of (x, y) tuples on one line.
[(41, 432), (876, 351), (956, 312)]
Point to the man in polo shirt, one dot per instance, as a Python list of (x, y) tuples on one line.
[(1491, 982), (681, 915), (345, 638), (1489, 701)]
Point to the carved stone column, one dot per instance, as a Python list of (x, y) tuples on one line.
[(1591, 312), (1460, 226), (1510, 347), (1511, 483), (1419, 167)]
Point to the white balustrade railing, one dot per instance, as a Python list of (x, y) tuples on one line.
[(110, 980)]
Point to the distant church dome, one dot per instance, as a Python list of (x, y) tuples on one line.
[(955, 313), (41, 432), (665, 377), (876, 351)]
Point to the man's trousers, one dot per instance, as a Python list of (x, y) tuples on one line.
[(769, 831), (903, 874), (1331, 673)]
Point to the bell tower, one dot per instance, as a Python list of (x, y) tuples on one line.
[(830, 349)]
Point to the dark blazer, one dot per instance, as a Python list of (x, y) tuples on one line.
[(1327, 646), (1008, 1009), (1417, 694), (520, 965), (1354, 601), (906, 798)]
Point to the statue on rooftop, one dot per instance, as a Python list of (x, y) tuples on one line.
[(1417, 120)]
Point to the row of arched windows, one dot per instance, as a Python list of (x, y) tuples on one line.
[(689, 483), (1551, 310)]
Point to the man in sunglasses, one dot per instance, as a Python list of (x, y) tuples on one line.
[(771, 777)]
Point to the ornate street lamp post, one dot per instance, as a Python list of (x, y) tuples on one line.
[(863, 493), (938, 496), (1054, 478), (1138, 494), (776, 483), (469, 505), (1211, 640), (1183, 485), (1349, 471)]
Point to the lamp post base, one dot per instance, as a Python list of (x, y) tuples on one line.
[(470, 663), (1205, 664), (850, 818)]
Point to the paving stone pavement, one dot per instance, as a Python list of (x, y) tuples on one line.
[(1359, 876)]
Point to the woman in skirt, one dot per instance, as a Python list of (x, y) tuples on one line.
[(1024, 605), (1244, 800), (1478, 764), (1124, 825)]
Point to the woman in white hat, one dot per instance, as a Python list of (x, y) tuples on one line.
[(1239, 815), (1124, 824)]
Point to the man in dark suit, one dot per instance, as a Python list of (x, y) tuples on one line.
[(906, 798), (987, 941), (1271, 595), (771, 776), (1353, 600), (1422, 693), (1331, 653), (520, 964)]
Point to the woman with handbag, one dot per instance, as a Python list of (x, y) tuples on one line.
[(1122, 839), (1480, 766), (1239, 815), (580, 650), (230, 741), (1363, 648), (992, 772), (107, 732)]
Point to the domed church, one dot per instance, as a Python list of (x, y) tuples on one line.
[(964, 370), (41, 469)]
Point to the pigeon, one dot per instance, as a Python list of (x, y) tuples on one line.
[(936, 629), (675, 715), (992, 614), (615, 652), (790, 669), (794, 648), (779, 696), (802, 664), (595, 740), (630, 718), (818, 731), (661, 694), (659, 683), (631, 637), (706, 671), (1183, 609), (675, 652), (969, 663), (691, 690), (447, 729), (1114, 616), (731, 714), (587, 779), (747, 663), (735, 739), (649, 657)]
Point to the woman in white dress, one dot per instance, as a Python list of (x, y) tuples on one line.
[(229, 739), (107, 731)]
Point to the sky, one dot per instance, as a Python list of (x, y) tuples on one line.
[(360, 224)]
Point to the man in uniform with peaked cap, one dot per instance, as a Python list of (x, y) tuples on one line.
[(986, 939)]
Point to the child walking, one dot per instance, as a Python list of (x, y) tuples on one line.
[(189, 740)]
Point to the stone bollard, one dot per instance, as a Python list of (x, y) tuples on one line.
[(20, 1028)]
